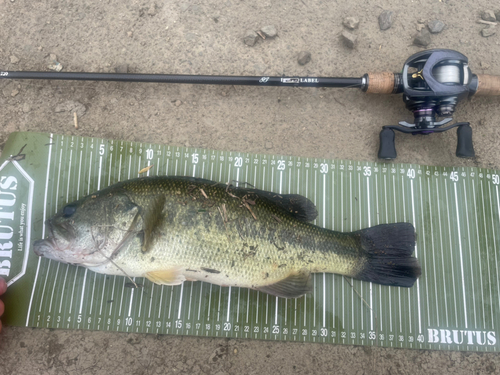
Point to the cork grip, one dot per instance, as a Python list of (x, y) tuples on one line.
[(488, 85), (380, 83)]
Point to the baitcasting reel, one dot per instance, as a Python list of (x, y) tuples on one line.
[(432, 83)]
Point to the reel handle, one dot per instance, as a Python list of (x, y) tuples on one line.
[(487, 85), (387, 149), (465, 148)]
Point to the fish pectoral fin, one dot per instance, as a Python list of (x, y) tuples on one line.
[(294, 285), (171, 276)]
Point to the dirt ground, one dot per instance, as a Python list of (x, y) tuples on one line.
[(206, 37)]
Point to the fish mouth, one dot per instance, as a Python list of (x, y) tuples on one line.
[(47, 247)]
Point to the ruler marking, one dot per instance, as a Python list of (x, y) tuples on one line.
[(180, 301), (451, 254), (487, 255), (425, 249), (470, 254), (369, 225), (442, 254), (478, 248), (494, 241), (461, 256), (416, 255)]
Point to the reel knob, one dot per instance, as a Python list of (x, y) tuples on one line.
[(387, 148), (465, 148)]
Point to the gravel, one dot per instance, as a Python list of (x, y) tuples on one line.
[(351, 23), (436, 26), (349, 39), (423, 38), (488, 15), (269, 31), (250, 38), (386, 19), (304, 57)]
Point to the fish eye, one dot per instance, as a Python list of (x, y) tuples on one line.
[(69, 210)]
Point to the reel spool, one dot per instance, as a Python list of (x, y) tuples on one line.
[(432, 83)]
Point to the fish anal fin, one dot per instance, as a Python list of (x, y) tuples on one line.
[(171, 276), (294, 285), (153, 219)]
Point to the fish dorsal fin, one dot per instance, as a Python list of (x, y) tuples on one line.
[(296, 205), (294, 285), (153, 219), (171, 276)]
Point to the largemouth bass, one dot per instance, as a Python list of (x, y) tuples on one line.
[(172, 229)]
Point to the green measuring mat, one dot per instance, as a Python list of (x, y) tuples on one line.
[(454, 305)]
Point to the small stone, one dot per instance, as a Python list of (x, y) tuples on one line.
[(152, 10), (26, 108), (385, 19), (269, 145), (122, 69), (420, 26), (53, 57), (351, 22), (423, 38), (436, 26), (488, 31), (250, 38), (269, 31), (57, 66), (178, 103), (14, 59), (304, 57), (235, 351), (488, 15), (349, 39), (14, 92), (129, 34)]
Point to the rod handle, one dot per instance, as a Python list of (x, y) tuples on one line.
[(488, 85), (380, 83)]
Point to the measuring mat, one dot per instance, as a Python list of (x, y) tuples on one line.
[(455, 304)]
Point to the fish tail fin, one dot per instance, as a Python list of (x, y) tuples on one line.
[(388, 257)]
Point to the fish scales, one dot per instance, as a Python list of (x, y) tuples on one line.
[(171, 229)]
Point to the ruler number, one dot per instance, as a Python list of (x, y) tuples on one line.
[(276, 330), (178, 324), (323, 332), (149, 153), (454, 176), (128, 321), (195, 158), (79, 319), (372, 335), (101, 149), (411, 173), (227, 326), (238, 161), (495, 178), (420, 338), (323, 168), (367, 171)]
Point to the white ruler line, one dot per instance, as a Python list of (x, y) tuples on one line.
[(470, 254), (92, 298), (257, 309), (238, 307), (199, 303), (58, 181), (332, 227), (342, 229), (369, 225), (79, 175), (83, 290), (73, 291), (380, 320), (121, 298), (404, 219), (436, 294), (54, 287), (324, 225), (416, 255), (140, 301), (362, 310), (442, 254), (190, 299), (387, 220), (425, 249), (396, 219), (495, 241), (112, 295), (351, 216), (132, 289), (267, 307), (228, 304), (487, 255), (248, 304), (62, 289), (451, 254), (461, 255), (69, 173), (43, 229), (151, 299), (180, 301)]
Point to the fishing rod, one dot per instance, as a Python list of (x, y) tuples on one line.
[(432, 83)]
